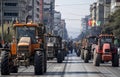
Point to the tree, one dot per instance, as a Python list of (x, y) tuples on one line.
[(114, 23)]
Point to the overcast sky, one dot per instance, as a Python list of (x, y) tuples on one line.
[(72, 11)]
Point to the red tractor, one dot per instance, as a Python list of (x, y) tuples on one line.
[(106, 51)]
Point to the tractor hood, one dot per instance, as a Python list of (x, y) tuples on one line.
[(24, 41)]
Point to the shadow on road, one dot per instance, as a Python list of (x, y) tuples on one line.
[(75, 72), (52, 74)]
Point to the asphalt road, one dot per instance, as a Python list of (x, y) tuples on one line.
[(73, 66)]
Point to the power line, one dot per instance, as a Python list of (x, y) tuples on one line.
[(72, 19), (73, 4), (75, 14)]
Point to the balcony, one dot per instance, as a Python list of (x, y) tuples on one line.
[(11, 8)]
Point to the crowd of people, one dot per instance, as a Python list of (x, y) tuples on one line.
[(71, 47)]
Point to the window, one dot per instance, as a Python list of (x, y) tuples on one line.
[(10, 14), (37, 9), (38, 3), (10, 4), (37, 15), (117, 0), (108, 1), (26, 32)]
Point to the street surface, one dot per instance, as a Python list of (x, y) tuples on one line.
[(73, 66)]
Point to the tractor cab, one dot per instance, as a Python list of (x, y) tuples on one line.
[(106, 39), (26, 31)]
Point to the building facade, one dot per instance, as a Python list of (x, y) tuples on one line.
[(48, 14), (33, 10), (93, 8), (84, 23), (115, 4), (57, 22), (107, 10), (13, 9), (100, 11)]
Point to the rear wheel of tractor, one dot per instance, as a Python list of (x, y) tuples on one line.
[(39, 63), (45, 62), (59, 57), (65, 52), (14, 69), (86, 56), (82, 54), (63, 55), (78, 53), (97, 59), (5, 69), (115, 60)]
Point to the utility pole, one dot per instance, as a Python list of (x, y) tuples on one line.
[(2, 33)]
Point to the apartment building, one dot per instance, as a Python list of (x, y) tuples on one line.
[(57, 23), (34, 10), (115, 4), (13, 9), (48, 14)]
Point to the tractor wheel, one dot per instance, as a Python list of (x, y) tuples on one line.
[(115, 60), (63, 55), (86, 56), (82, 54), (102, 61), (59, 56), (78, 53), (5, 68), (45, 62), (14, 69), (39, 63), (65, 52), (97, 59)]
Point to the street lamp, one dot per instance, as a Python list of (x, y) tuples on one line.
[(2, 31)]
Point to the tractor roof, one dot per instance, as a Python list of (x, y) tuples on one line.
[(105, 35), (28, 25), (91, 36)]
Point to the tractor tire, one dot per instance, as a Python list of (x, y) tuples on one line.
[(65, 52), (82, 54), (45, 62), (5, 68), (86, 56), (59, 56), (63, 55), (78, 53), (90, 55), (115, 60), (14, 69), (39, 63), (97, 59)]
